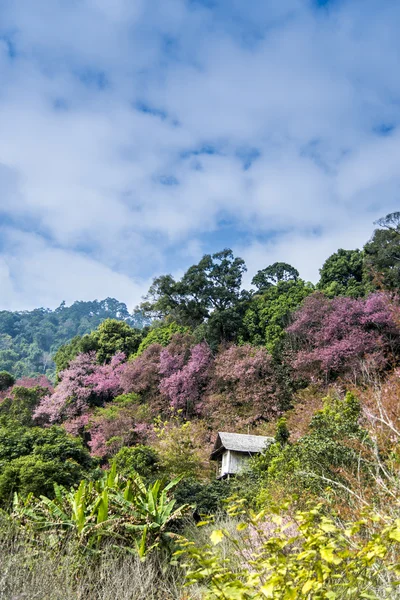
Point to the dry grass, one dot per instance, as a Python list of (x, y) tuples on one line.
[(36, 574)]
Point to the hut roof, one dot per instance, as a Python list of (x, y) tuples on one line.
[(239, 442)]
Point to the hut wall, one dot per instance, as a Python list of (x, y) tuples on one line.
[(238, 461)]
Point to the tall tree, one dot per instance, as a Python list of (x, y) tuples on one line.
[(274, 274), (268, 314), (213, 285), (342, 274), (382, 253)]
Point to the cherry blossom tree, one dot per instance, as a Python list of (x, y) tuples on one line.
[(185, 383), (83, 384), (332, 337), (141, 375), (244, 385)]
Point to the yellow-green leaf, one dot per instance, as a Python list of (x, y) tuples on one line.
[(328, 555), (216, 537), (268, 590), (307, 586), (395, 535)]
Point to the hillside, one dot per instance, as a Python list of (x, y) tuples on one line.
[(29, 339), (314, 366)]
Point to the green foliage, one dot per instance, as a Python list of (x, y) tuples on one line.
[(123, 512), (177, 449), (139, 459), (279, 271), (382, 253), (34, 474), (282, 432), (110, 338), (207, 291), (207, 497), (19, 406), (29, 339), (161, 334), (67, 352), (328, 453), (269, 313), (342, 274), (6, 380), (308, 557), (114, 336), (33, 459)]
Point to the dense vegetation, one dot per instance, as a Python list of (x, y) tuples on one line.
[(86, 459), (29, 339)]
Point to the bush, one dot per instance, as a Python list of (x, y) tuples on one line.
[(32, 474), (310, 556), (207, 498), (33, 459), (6, 380), (140, 459)]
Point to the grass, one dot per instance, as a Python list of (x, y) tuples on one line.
[(32, 572)]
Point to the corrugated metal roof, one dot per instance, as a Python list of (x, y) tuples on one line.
[(240, 442)]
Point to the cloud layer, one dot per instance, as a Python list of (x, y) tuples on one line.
[(137, 135)]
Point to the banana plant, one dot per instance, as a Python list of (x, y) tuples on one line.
[(123, 511)]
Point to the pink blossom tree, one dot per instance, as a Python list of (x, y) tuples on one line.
[(40, 381), (183, 384), (32, 382), (332, 337), (141, 375), (244, 385), (83, 384)]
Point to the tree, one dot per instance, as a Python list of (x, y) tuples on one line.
[(6, 380), (111, 337), (179, 447), (274, 274), (20, 403), (78, 345), (269, 314), (161, 333), (332, 337), (183, 384), (211, 285), (382, 253), (342, 274), (243, 387), (142, 376), (33, 459), (84, 384)]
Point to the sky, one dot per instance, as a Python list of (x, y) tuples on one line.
[(138, 135)]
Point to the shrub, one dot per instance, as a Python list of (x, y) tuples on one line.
[(33, 459), (6, 380), (111, 509), (140, 459), (308, 556)]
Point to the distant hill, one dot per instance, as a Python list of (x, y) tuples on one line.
[(29, 339)]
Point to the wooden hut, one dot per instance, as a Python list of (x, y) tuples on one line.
[(233, 450)]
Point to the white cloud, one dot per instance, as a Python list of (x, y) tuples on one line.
[(34, 274), (99, 193)]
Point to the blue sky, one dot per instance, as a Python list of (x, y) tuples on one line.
[(137, 135)]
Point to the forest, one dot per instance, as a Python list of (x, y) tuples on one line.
[(108, 419)]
